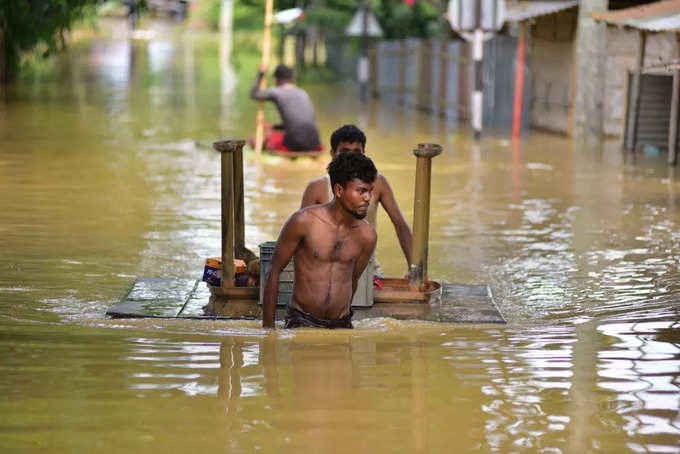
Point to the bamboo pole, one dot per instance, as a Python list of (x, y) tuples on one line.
[(421, 214), (227, 148), (266, 43)]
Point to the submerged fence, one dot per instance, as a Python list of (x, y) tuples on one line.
[(436, 76)]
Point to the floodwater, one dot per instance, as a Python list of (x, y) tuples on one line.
[(106, 174)]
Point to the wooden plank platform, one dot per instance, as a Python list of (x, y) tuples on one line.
[(187, 298)]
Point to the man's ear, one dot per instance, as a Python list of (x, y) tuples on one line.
[(338, 190)]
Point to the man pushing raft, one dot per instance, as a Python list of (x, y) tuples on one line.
[(332, 244)]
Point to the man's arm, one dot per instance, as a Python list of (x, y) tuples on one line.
[(402, 228), (255, 92), (370, 240), (289, 238)]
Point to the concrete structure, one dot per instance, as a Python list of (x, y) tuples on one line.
[(551, 65), (651, 94)]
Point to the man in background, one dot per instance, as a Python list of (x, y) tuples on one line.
[(298, 130)]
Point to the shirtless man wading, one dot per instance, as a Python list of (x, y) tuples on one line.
[(350, 139), (332, 244)]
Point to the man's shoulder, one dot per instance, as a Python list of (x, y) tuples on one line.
[(367, 232), (317, 189), (318, 182), (380, 183), (310, 213)]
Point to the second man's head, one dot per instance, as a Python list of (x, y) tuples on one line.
[(347, 138)]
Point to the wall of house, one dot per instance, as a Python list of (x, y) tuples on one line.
[(551, 55), (622, 47)]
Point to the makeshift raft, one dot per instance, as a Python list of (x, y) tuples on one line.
[(190, 299), (414, 299)]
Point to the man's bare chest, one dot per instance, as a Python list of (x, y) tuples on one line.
[(324, 247)]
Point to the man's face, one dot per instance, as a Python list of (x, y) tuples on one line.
[(355, 197), (347, 147)]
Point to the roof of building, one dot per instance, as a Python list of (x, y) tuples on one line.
[(656, 17), (523, 10)]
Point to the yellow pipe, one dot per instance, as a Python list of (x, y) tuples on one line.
[(421, 214)]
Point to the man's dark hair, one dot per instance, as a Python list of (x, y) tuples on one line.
[(348, 166), (349, 134), (283, 72)]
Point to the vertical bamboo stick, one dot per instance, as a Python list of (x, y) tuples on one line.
[(266, 43), (421, 214)]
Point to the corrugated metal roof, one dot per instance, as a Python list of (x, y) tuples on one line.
[(656, 17), (521, 11)]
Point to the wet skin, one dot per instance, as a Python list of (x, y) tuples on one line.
[(316, 192), (331, 244)]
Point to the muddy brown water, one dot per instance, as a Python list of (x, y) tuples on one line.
[(106, 174)]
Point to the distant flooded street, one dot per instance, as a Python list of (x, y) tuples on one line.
[(107, 174)]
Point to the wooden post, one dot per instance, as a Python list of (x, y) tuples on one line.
[(239, 208), (266, 41), (673, 127), (519, 82), (227, 148), (634, 106), (421, 214)]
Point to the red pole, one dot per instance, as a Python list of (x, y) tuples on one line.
[(519, 83)]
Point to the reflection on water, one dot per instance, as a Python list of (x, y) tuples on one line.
[(566, 389), (106, 174)]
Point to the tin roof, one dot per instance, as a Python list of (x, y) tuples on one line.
[(656, 17), (523, 10)]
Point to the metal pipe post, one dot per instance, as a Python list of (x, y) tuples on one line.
[(477, 95), (227, 148), (363, 69), (421, 214), (519, 82)]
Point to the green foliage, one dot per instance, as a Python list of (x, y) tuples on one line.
[(332, 16), (398, 19), (32, 24)]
